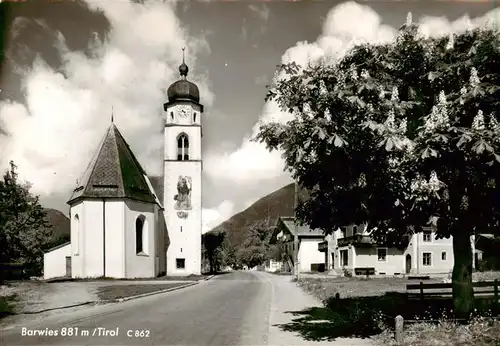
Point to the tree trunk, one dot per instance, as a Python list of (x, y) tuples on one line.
[(211, 264), (463, 291)]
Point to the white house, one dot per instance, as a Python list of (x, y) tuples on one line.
[(310, 258), (120, 216), (353, 249), (273, 266)]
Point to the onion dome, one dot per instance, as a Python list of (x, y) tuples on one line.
[(183, 89)]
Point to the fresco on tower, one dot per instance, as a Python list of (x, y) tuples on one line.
[(183, 197)]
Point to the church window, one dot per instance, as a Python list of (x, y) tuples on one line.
[(180, 263), (181, 228), (172, 115), (76, 234), (194, 117), (182, 147), (181, 249), (139, 235)]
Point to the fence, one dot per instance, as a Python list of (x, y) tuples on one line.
[(431, 292), (432, 289)]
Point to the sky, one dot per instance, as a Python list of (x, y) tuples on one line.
[(68, 64)]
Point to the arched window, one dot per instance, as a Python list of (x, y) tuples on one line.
[(194, 117), (172, 115), (182, 147), (75, 236), (139, 236)]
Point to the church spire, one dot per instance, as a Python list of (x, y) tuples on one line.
[(112, 114), (183, 69)]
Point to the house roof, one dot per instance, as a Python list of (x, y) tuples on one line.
[(303, 231), (114, 172)]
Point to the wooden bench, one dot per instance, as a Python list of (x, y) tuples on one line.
[(364, 271), (421, 291)]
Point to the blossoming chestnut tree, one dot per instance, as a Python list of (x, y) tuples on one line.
[(400, 136)]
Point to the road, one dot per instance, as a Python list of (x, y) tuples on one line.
[(240, 308)]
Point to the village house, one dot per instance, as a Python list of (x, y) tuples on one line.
[(310, 258), (352, 249)]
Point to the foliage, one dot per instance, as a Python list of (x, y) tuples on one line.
[(482, 331), (7, 305), (413, 131), (217, 250), (24, 232), (256, 249), (347, 273)]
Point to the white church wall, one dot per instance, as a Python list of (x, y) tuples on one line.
[(140, 265), (161, 251), (92, 239), (184, 233), (54, 261), (77, 226), (115, 239)]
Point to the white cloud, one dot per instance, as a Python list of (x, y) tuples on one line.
[(215, 216), (53, 135), (252, 163), (262, 11)]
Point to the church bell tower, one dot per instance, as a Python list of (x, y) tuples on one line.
[(182, 175)]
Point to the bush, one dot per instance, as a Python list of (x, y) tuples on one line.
[(6, 306), (347, 273)]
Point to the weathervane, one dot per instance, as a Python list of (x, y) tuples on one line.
[(183, 49), (111, 113)]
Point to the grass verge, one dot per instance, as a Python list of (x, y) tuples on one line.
[(367, 308), (124, 291)]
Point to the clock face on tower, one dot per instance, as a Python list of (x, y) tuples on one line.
[(184, 111)]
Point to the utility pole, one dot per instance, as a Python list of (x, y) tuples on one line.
[(296, 226)]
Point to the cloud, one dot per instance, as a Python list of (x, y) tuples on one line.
[(215, 216), (252, 162), (244, 31), (262, 11), (53, 134)]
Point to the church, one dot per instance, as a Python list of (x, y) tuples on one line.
[(126, 224)]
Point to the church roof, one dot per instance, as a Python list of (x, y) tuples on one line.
[(114, 172), (157, 183)]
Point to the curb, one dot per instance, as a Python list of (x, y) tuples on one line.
[(119, 300), (58, 308), (208, 278)]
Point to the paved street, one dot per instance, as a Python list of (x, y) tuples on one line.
[(241, 308)]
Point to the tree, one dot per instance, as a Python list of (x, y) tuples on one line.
[(255, 250), (400, 136), (24, 232), (212, 242)]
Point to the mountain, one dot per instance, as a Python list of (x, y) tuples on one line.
[(276, 204), (60, 226)]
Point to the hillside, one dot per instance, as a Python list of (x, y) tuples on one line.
[(276, 204), (60, 226)]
